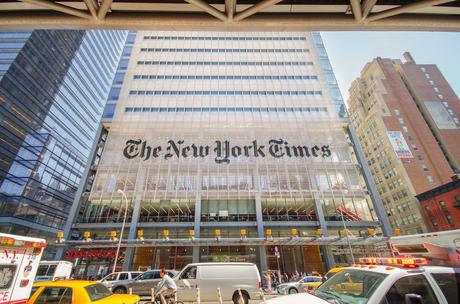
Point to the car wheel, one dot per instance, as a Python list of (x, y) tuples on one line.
[(119, 290), (243, 299), (293, 290)]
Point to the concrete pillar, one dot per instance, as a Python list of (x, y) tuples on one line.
[(260, 219)]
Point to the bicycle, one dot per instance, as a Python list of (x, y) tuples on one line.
[(169, 299)]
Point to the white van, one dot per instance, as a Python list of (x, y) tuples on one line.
[(53, 270), (229, 277)]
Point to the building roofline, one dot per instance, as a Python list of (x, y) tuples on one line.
[(455, 184)]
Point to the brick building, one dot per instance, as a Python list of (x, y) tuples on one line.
[(441, 206), (406, 117)]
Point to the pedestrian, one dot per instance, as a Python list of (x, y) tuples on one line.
[(269, 281)]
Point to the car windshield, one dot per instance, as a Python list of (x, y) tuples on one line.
[(97, 292), (350, 286)]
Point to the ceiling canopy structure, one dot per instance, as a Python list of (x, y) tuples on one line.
[(236, 15)]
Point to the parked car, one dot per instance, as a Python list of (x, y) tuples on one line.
[(114, 277), (229, 277), (307, 283), (77, 292), (141, 285)]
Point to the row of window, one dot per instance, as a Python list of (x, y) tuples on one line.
[(222, 38), (226, 109), (225, 50), (227, 77), (304, 93), (282, 63)]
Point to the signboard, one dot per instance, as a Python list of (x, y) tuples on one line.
[(90, 254), (399, 144), (441, 117), (222, 150)]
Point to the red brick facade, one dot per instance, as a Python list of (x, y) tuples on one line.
[(441, 206)]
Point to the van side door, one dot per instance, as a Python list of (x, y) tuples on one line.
[(187, 284)]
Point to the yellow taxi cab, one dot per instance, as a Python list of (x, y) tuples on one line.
[(332, 272), (77, 292)]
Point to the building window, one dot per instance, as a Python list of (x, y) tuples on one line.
[(114, 93), (427, 76), (397, 112), (424, 167), (414, 146), (405, 129), (440, 96), (401, 120), (442, 204), (436, 89), (423, 69), (446, 104), (457, 201), (430, 179), (449, 218), (419, 157)]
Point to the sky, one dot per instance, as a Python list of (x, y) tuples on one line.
[(350, 51)]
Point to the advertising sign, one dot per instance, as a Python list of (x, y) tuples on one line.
[(399, 144), (440, 115)]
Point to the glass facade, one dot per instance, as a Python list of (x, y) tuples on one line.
[(52, 95), (253, 159)]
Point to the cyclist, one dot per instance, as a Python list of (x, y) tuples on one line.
[(166, 287)]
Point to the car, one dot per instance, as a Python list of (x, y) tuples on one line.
[(400, 281), (332, 272), (114, 277), (141, 285), (307, 283), (77, 292)]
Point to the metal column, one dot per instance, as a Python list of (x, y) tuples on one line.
[(197, 223), (132, 234), (260, 220), (326, 250), (381, 214), (75, 208)]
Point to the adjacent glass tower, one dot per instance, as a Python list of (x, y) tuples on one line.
[(226, 131), (53, 89)]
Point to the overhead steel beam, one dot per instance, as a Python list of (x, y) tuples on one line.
[(92, 7), (105, 7), (203, 21), (255, 9), (208, 8), (367, 7), (406, 9), (356, 8), (59, 7), (230, 6)]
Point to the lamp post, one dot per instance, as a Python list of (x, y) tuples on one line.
[(122, 228)]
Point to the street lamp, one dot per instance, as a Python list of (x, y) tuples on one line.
[(122, 228)]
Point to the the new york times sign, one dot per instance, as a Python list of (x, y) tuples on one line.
[(222, 151)]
